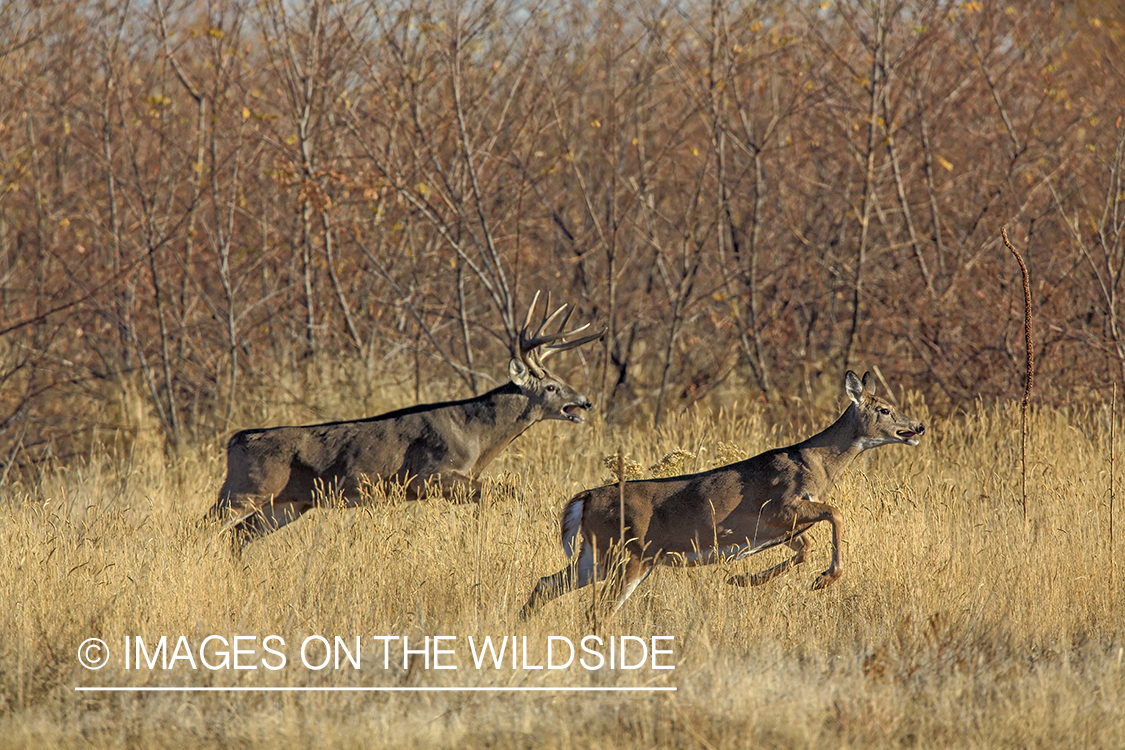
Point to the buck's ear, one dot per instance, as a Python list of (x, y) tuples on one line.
[(853, 386), (518, 372), (868, 384)]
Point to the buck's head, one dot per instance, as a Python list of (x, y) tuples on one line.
[(879, 422), (552, 395)]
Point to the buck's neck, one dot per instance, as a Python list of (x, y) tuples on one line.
[(497, 418), (834, 447)]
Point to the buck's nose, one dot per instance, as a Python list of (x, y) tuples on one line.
[(920, 429), (586, 403)]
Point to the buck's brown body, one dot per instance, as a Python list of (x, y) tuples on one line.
[(729, 512), (274, 475), (457, 440)]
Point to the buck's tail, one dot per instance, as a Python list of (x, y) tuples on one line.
[(572, 523)]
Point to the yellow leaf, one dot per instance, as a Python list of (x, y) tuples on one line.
[(245, 113), (946, 163)]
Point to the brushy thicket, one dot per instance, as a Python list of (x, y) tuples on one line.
[(213, 209)]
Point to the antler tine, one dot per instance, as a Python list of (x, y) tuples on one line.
[(548, 319), (535, 347), (530, 311), (549, 350), (566, 318), (541, 339), (529, 340)]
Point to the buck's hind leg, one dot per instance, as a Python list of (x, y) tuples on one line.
[(799, 544)]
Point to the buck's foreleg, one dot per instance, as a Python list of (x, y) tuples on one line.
[(249, 517), (800, 544), (454, 487)]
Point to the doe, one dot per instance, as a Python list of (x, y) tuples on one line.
[(729, 512)]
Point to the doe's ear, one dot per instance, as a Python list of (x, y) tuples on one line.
[(868, 384), (518, 372), (853, 386)]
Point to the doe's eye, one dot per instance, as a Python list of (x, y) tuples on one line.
[(884, 410)]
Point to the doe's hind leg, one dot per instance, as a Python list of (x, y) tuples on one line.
[(580, 573), (800, 544), (635, 572)]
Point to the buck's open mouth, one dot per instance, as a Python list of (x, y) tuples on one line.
[(908, 437), (570, 411)]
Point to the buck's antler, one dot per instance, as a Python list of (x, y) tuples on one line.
[(536, 347)]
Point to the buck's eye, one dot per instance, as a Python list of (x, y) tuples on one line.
[(551, 387), (884, 410)]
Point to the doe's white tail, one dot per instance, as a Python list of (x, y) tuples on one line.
[(572, 523)]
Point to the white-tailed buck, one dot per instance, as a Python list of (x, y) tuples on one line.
[(276, 474), (726, 513)]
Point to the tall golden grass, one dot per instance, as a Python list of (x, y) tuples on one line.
[(952, 625)]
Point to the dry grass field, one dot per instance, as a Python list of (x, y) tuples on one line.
[(956, 624)]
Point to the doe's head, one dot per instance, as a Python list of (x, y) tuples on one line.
[(880, 422)]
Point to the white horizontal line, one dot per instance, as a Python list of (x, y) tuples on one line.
[(377, 689)]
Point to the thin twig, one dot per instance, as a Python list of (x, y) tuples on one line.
[(619, 566), (1112, 445), (621, 488), (1029, 344)]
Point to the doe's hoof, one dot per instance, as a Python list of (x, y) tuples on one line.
[(824, 580)]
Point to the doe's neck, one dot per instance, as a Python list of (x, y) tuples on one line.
[(835, 446)]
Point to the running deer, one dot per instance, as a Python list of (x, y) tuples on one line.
[(276, 474), (726, 513)]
